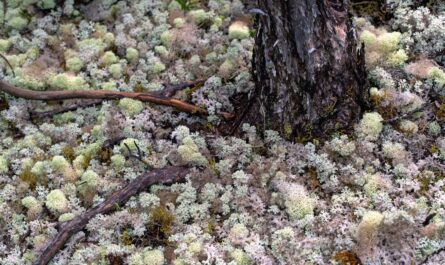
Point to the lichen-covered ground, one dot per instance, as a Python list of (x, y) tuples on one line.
[(374, 195)]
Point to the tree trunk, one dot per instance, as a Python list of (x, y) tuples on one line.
[(309, 73)]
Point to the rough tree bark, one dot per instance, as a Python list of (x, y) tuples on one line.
[(309, 73)]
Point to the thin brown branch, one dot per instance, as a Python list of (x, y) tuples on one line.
[(8, 63), (111, 142), (104, 94), (49, 113), (164, 176), (170, 90)]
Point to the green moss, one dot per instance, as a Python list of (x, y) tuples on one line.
[(160, 223), (184, 5), (126, 237), (28, 177), (68, 153), (288, 130)]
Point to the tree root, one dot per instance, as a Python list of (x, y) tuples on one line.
[(105, 94), (165, 176)]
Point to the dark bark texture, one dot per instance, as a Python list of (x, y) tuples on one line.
[(309, 73)]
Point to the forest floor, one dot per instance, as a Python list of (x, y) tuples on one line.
[(372, 195)]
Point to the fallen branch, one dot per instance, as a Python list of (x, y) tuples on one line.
[(109, 143), (168, 91), (104, 94), (164, 176), (50, 113)]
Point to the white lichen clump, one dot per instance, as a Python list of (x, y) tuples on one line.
[(253, 198), (367, 233), (189, 152), (370, 126), (131, 107), (297, 201), (148, 257), (56, 202), (239, 30), (3, 165)]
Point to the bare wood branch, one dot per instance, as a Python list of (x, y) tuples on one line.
[(166, 176), (49, 113), (168, 91), (104, 94)]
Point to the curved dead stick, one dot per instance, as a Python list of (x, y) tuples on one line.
[(104, 94), (164, 176)]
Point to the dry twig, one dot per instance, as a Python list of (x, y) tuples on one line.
[(164, 176), (104, 94), (49, 113)]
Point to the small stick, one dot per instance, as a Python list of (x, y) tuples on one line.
[(9, 64), (138, 156), (168, 91), (43, 114), (104, 94), (165, 176)]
